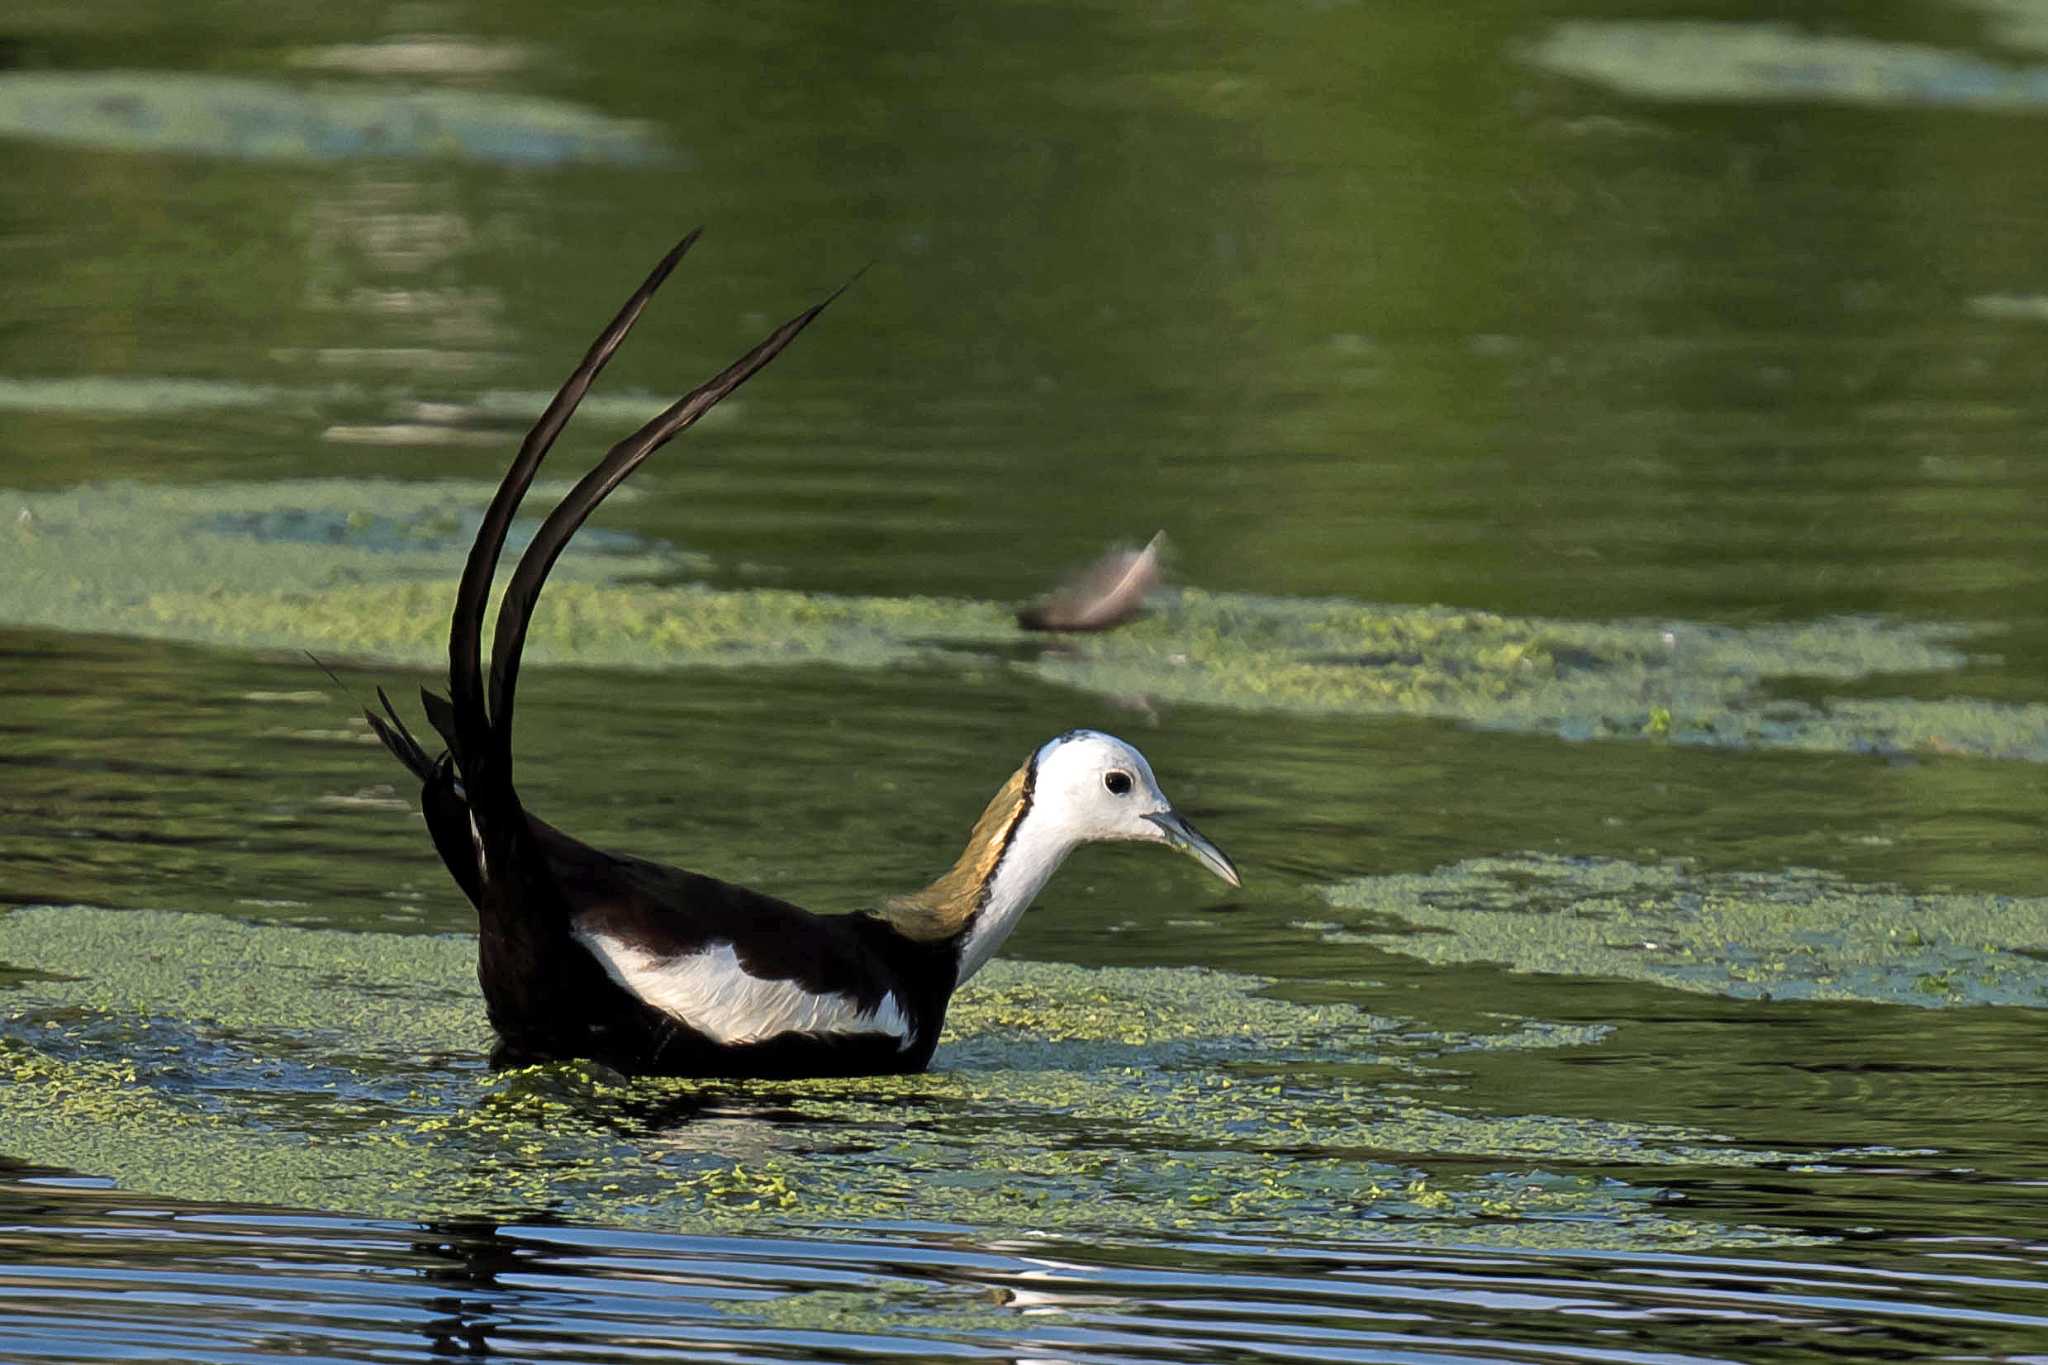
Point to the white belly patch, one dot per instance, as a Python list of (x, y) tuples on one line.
[(714, 995)]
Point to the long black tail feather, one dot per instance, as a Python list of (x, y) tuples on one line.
[(441, 715), (470, 723), (449, 823), (398, 739), (388, 727), (471, 780), (516, 609)]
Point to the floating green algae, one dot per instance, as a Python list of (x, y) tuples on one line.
[(324, 989), (315, 1068), (190, 112), (156, 561), (1981, 729), (368, 570), (495, 414), (131, 396), (1684, 683), (592, 624), (1701, 60), (1792, 935)]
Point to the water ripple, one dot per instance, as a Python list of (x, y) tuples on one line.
[(91, 1274)]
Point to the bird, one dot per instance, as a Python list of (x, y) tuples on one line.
[(655, 970), (1103, 596)]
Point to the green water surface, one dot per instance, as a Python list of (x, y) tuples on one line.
[(1601, 453)]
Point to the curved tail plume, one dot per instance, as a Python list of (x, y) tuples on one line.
[(471, 722), (516, 610), (478, 727)]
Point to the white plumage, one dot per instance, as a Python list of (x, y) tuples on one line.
[(714, 995)]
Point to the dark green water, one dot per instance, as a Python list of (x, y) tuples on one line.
[(1642, 960)]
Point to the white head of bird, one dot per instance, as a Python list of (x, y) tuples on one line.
[(1092, 787), (1083, 787)]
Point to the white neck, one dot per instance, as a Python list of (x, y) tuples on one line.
[(1036, 851)]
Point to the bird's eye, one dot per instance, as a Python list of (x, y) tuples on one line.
[(1119, 783)]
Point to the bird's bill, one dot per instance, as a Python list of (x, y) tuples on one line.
[(1178, 833)]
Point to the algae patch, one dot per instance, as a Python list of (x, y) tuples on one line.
[(1699, 60), (321, 1069), (1680, 683), (131, 396), (1792, 935), (324, 990), (256, 120), (368, 569), (495, 416)]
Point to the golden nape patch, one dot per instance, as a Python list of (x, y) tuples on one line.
[(942, 909)]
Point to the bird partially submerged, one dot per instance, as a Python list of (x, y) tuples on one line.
[(648, 968)]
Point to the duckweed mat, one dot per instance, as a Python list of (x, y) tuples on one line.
[(259, 120), (1665, 681), (131, 396), (1697, 60), (368, 570), (1792, 935), (499, 416), (325, 1069)]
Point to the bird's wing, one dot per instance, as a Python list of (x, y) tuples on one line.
[(734, 964)]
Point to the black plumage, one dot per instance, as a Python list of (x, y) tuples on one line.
[(541, 895), (583, 953)]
